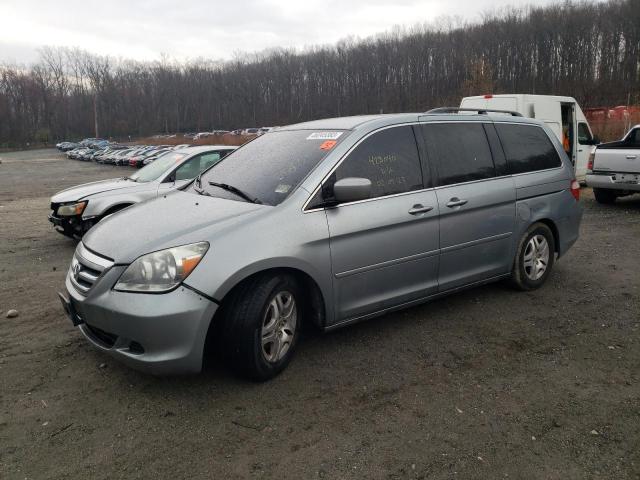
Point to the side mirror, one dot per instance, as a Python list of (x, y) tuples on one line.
[(596, 141), (351, 189)]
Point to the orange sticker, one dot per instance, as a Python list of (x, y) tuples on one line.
[(328, 145)]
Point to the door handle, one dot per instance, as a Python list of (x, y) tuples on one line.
[(418, 209), (631, 157), (456, 202)]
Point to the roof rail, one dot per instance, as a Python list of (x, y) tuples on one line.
[(481, 111)]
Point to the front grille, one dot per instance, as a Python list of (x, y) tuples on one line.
[(86, 268)]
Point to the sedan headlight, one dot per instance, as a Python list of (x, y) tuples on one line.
[(72, 209), (163, 270)]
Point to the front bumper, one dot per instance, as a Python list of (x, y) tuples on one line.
[(161, 334), (608, 181), (69, 226)]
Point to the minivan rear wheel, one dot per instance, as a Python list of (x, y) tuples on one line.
[(534, 258), (604, 195), (261, 326)]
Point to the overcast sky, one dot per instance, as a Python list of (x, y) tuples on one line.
[(146, 29)]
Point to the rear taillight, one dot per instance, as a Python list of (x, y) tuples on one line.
[(592, 157), (575, 190)]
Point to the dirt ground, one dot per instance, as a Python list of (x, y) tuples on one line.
[(489, 383)]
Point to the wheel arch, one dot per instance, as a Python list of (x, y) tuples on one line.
[(116, 208), (314, 301), (554, 230), (314, 297)]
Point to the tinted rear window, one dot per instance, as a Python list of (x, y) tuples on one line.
[(459, 151), (527, 148)]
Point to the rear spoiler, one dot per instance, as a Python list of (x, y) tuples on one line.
[(480, 111)]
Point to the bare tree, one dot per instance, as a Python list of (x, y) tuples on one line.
[(586, 49)]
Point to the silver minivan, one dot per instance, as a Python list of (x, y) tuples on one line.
[(323, 223)]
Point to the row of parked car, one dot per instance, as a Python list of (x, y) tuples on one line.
[(240, 131), (95, 143), (102, 151)]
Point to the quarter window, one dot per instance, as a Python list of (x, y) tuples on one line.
[(459, 151), (389, 159), (527, 148)]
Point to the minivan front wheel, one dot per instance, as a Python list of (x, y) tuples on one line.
[(261, 326), (535, 257)]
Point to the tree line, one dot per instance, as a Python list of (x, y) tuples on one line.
[(583, 49)]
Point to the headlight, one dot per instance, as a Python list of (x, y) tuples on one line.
[(72, 209), (163, 270)]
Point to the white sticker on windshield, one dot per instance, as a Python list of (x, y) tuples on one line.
[(283, 188), (324, 135)]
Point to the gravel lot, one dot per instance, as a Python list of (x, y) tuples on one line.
[(489, 383)]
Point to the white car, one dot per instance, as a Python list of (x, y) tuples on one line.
[(75, 210)]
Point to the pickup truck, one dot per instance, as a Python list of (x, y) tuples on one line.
[(614, 168)]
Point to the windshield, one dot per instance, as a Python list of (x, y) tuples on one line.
[(154, 170), (270, 167)]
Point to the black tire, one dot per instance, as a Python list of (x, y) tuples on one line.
[(242, 321), (605, 196), (519, 276)]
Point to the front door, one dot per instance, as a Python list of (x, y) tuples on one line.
[(477, 209), (384, 250)]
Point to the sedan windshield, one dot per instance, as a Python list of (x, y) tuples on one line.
[(154, 170), (270, 167)]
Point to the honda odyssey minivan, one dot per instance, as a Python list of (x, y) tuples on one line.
[(323, 223)]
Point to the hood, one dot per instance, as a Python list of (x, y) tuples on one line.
[(86, 189), (176, 219)]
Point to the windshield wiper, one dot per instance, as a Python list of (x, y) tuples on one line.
[(237, 191), (200, 191)]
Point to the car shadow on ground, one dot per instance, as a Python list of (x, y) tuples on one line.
[(318, 351)]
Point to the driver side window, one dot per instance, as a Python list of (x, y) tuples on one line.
[(389, 158), (189, 169)]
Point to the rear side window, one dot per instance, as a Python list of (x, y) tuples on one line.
[(634, 137), (527, 148), (389, 159), (584, 135), (459, 151)]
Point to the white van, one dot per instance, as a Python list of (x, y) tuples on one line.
[(562, 115)]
